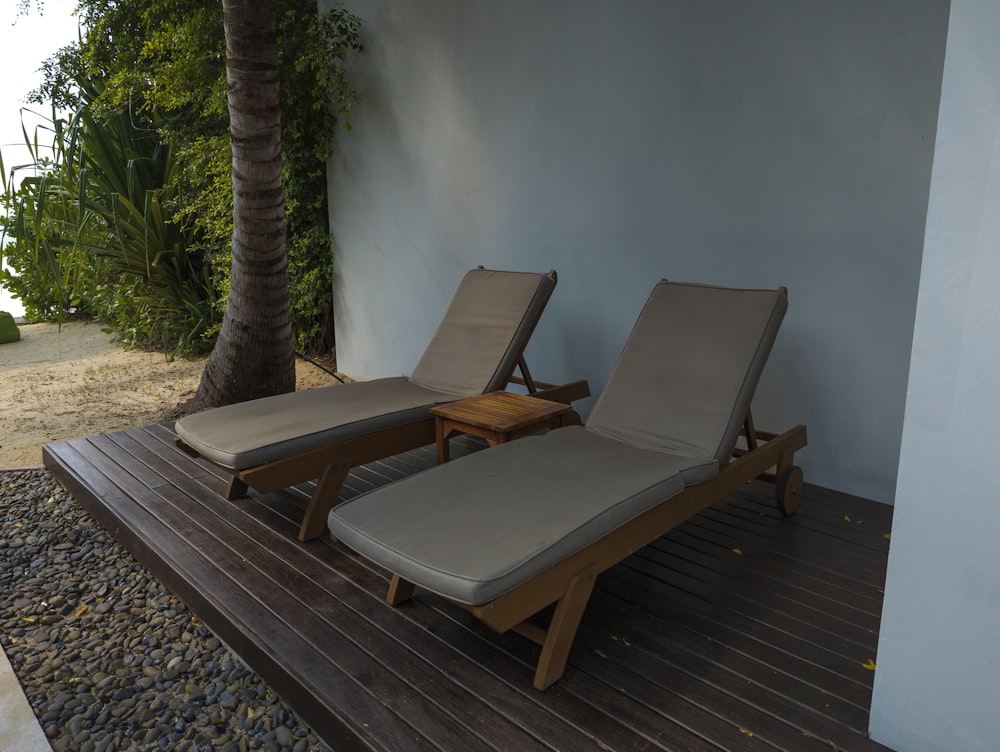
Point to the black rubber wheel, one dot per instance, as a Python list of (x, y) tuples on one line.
[(789, 490)]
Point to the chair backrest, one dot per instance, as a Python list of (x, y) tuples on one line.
[(484, 331), (684, 381)]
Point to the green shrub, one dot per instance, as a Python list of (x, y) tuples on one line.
[(93, 233), (161, 68)]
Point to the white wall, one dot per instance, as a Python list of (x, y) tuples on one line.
[(755, 144), (937, 686)]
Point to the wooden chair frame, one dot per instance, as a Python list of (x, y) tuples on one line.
[(569, 583), (330, 464)]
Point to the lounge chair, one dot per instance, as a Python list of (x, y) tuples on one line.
[(508, 531), (274, 443)]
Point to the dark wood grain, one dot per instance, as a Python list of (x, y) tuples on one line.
[(738, 630), (499, 411)]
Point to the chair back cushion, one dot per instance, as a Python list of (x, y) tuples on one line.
[(684, 382), (484, 330)]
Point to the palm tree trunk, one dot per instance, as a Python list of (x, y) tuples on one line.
[(254, 355)]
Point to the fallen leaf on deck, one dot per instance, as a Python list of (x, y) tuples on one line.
[(869, 664)]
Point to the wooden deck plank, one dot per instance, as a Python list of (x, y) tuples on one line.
[(648, 680), (812, 542), (867, 537), (685, 645), (769, 658), (813, 571), (762, 564), (546, 725), (551, 727), (804, 625), (326, 591), (759, 641), (207, 591), (714, 573), (868, 544), (723, 648), (728, 696), (358, 620)]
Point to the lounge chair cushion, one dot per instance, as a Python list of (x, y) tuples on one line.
[(489, 320), (263, 430), (684, 382), (475, 350), (473, 529)]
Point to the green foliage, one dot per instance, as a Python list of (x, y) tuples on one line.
[(311, 57), (42, 219), (93, 233), (162, 64)]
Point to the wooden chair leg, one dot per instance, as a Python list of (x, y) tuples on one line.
[(572, 418), (322, 501), (786, 460), (441, 441), (236, 488), (529, 382), (749, 431), (399, 590), (562, 629)]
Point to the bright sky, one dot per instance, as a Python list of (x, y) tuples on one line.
[(25, 42)]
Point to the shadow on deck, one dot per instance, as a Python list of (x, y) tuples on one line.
[(739, 630)]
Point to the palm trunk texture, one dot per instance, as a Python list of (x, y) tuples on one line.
[(254, 355)]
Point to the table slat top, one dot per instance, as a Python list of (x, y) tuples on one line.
[(500, 411)]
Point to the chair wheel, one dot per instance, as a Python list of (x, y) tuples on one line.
[(789, 490)]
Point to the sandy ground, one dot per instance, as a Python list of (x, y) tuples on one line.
[(62, 383)]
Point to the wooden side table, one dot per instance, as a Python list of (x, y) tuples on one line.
[(496, 417)]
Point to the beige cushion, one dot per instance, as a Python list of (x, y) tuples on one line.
[(263, 430), (684, 382), (475, 350), (475, 528), (486, 327)]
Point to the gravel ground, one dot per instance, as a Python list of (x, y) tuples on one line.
[(108, 659)]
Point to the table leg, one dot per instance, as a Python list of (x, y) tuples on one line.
[(441, 439)]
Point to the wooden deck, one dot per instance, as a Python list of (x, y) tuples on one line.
[(737, 631)]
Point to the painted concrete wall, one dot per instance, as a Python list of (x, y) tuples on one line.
[(937, 686), (752, 144)]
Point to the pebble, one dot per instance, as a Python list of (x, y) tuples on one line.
[(108, 658)]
